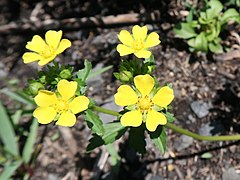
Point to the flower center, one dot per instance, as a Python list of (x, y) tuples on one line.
[(48, 51), (138, 44), (61, 106), (144, 104)]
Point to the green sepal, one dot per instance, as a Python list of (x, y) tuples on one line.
[(136, 139), (158, 138), (94, 122), (112, 132)]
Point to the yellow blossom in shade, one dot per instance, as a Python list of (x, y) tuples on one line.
[(138, 42), (45, 51), (61, 106), (146, 104)]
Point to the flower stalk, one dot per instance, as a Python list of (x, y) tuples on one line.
[(178, 129)]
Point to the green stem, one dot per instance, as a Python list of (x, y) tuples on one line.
[(105, 111), (178, 129)]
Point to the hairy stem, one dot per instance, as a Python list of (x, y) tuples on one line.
[(178, 129)]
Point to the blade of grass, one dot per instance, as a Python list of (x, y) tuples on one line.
[(7, 133), (98, 72), (18, 96), (10, 169), (28, 147)]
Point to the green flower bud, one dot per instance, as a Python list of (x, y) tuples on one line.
[(65, 74), (34, 87), (125, 76), (42, 79)]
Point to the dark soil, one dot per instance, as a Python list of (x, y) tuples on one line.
[(208, 79)]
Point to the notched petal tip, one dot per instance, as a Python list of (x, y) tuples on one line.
[(125, 96), (67, 89)]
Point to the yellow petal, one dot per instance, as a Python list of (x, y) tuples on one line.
[(143, 54), (139, 33), (131, 118), (163, 97), (37, 44), (44, 115), (79, 104), (154, 119), (45, 98), (125, 96), (66, 119), (152, 40), (46, 60), (67, 89), (64, 44), (144, 83), (31, 57), (53, 38), (125, 37), (124, 50)]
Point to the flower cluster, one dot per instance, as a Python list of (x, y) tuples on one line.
[(59, 93)]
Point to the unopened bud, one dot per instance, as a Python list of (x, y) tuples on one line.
[(34, 87), (125, 76), (65, 74)]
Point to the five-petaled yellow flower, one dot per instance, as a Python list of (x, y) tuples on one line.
[(145, 103), (45, 51), (137, 43), (61, 106)]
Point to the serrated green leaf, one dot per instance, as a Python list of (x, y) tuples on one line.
[(206, 155), (170, 117), (159, 138), (7, 134), (28, 147), (184, 30), (94, 122), (136, 139), (112, 132), (84, 73), (9, 170)]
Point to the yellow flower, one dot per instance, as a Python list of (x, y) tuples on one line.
[(137, 43), (145, 104), (61, 106), (45, 51)]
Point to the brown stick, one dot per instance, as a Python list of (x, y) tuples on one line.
[(80, 23)]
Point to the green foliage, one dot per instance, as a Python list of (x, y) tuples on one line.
[(7, 134), (28, 147), (112, 132), (202, 31), (94, 122), (12, 157), (136, 139), (158, 137), (132, 68), (48, 78)]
